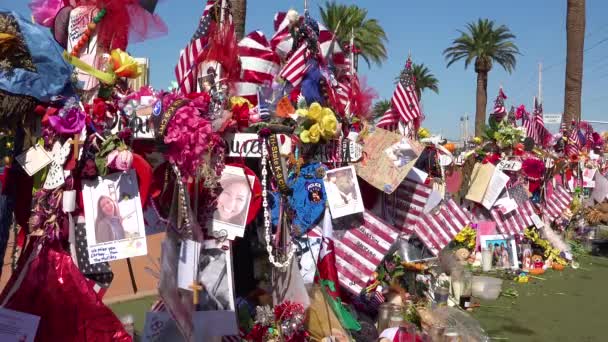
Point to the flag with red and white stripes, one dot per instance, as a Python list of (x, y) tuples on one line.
[(389, 121), (439, 227), (410, 200), (281, 42), (360, 251), (500, 110), (405, 100), (514, 222), (295, 68), (186, 70), (573, 146), (556, 203), (259, 65)]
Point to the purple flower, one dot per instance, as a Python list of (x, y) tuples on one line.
[(71, 122)]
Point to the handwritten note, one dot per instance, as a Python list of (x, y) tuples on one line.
[(103, 253), (497, 184), (34, 159), (509, 165)]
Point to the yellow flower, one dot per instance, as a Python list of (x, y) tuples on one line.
[(314, 133), (237, 101), (125, 65), (315, 112), (305, 136), (329, 125), (423, 133)]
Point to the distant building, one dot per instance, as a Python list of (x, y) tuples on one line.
[(144, 78)]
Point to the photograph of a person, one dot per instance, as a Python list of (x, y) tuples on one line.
[(503, 249), (343, 193), (233, 202), (215, 275), (114, 217), (108, 225)]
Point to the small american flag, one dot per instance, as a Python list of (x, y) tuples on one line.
[(556, 203), (539, 124), (574, 141), (499, 105), (259, 64), (186, 70), (514, 222), (296, 66), (405, 99), (389, 121)]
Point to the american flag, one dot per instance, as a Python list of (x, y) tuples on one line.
[(439, 227), (405, 99), (499, 105), (410, 199), (514, 222), (259, 65), (389, 121), (295, 68), (574, 142), (539, 124), (556, 203), (186, 70)]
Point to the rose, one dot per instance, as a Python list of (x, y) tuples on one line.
[(120, 160), (329, 126), (70, 122), (315, 112), (314, 133)]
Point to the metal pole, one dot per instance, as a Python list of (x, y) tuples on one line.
[(540, 81)]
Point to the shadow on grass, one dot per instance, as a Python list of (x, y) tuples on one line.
[(510, 326)]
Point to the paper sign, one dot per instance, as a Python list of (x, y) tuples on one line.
[(187, 267), (537, 221), (34, 159), (17, 326), (497, 184), (506, 205), (552, 118), (480, 179), (509, 165), (378, 169), (588, 175), (417, 175)]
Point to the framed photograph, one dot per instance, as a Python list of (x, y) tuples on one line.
[(114, 218), (230, 216), (503, 248), (343, 193)]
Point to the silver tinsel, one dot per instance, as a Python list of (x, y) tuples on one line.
[(264, 315)]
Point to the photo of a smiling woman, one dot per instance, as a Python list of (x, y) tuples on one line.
[(108, 224), (233, 202)]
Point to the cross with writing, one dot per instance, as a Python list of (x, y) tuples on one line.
[(76, 143), (195, 287)]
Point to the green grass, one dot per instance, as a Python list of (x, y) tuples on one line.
[(568, 306)]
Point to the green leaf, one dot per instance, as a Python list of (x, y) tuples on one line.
[(102, 169)]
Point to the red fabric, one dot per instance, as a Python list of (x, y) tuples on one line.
[(53, 288), (326, 267), (144, 177), (223, 48)]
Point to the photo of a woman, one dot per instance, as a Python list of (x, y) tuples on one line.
[(108, 224), (233, 202)]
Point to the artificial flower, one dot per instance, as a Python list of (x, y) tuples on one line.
[(314, 133), (120, 159), (239, 101), (315, 112), (305, 136), (329, 126), (423, 133), (70, 121), (125, 65), (240, 113)]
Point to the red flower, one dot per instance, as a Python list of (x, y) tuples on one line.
[(240, 113), (293, 95)]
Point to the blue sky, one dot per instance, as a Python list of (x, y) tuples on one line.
[(426, 28)]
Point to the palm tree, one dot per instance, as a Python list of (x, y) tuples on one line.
[(380, 108), (575, 28), (484, 44), (369, 36), (424, 79), (239, 14)]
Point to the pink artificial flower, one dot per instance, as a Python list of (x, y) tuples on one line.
[(120, 160)]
